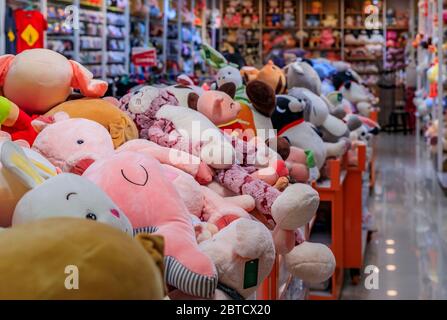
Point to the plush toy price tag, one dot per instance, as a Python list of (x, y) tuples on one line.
[(251, 273)]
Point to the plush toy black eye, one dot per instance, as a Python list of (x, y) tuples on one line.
[(80, 141), (91, 216)]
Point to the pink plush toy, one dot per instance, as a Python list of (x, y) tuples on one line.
[(37, 80), (72, 144), (137, 184), (222, 110), (190, 131)]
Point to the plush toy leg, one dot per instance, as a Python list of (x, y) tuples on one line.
[(190, 267), (311, 262), (22, 128), (217, 208), (337, 149), (173, 157), (290, 209)]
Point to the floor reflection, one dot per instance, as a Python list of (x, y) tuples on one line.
[(411, 209)]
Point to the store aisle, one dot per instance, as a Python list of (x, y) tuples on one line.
[(410, 247)]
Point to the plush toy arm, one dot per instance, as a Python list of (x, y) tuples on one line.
[(5, 63), (83, 80), (16, 122), (219, 211), (176, 158)]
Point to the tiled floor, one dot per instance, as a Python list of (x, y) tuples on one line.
[(411, 217)]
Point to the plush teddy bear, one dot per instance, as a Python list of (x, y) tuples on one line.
[(315, 39), (37, 259), (330, 21), (37, 80), (116, 122)]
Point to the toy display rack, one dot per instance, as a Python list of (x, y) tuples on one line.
[(354, 239), (430, 24), (331, 192)]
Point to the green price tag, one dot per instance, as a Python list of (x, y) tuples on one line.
[(251, 274)]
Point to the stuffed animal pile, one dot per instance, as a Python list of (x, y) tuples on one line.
[(199, 189)]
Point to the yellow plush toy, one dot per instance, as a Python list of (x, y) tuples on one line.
[(119, 125), (69, 258)]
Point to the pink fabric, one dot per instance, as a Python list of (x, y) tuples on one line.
[(240, 182), (136, 183), (83, 81), (5, 63)]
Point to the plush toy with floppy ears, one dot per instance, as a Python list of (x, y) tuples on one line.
[(116, 122), (39, 79), (111, 265), (153, 205)]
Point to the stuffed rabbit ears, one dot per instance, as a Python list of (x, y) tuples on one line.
[(83, 80), (30, 172)]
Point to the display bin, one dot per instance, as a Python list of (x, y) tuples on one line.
[(353, 235), (331, 193)]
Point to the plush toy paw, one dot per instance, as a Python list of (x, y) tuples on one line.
[(295, 206), (242, 243), (282, 184), (204, 174), (337, 149), (311, 262)]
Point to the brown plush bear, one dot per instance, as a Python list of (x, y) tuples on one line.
[(120, 126), (274, 76), (68, 258)]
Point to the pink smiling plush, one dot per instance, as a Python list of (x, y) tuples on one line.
[(72, 144), (137, 184)]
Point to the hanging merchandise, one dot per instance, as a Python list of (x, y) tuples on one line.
[(30, 26), (10, 31)]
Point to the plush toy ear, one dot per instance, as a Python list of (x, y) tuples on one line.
[(229, 88), (297, 68), (5, 63), (14, 159), (262, 97), (217, 106), (184, 80), (83, 80), (193, 100), (154, 246), (42, 122)]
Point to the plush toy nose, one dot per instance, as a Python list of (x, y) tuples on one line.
[(115, 213)]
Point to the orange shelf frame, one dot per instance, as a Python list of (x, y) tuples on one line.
[(352, 233), (332, 191)]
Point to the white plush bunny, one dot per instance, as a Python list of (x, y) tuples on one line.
[(63, 195)]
